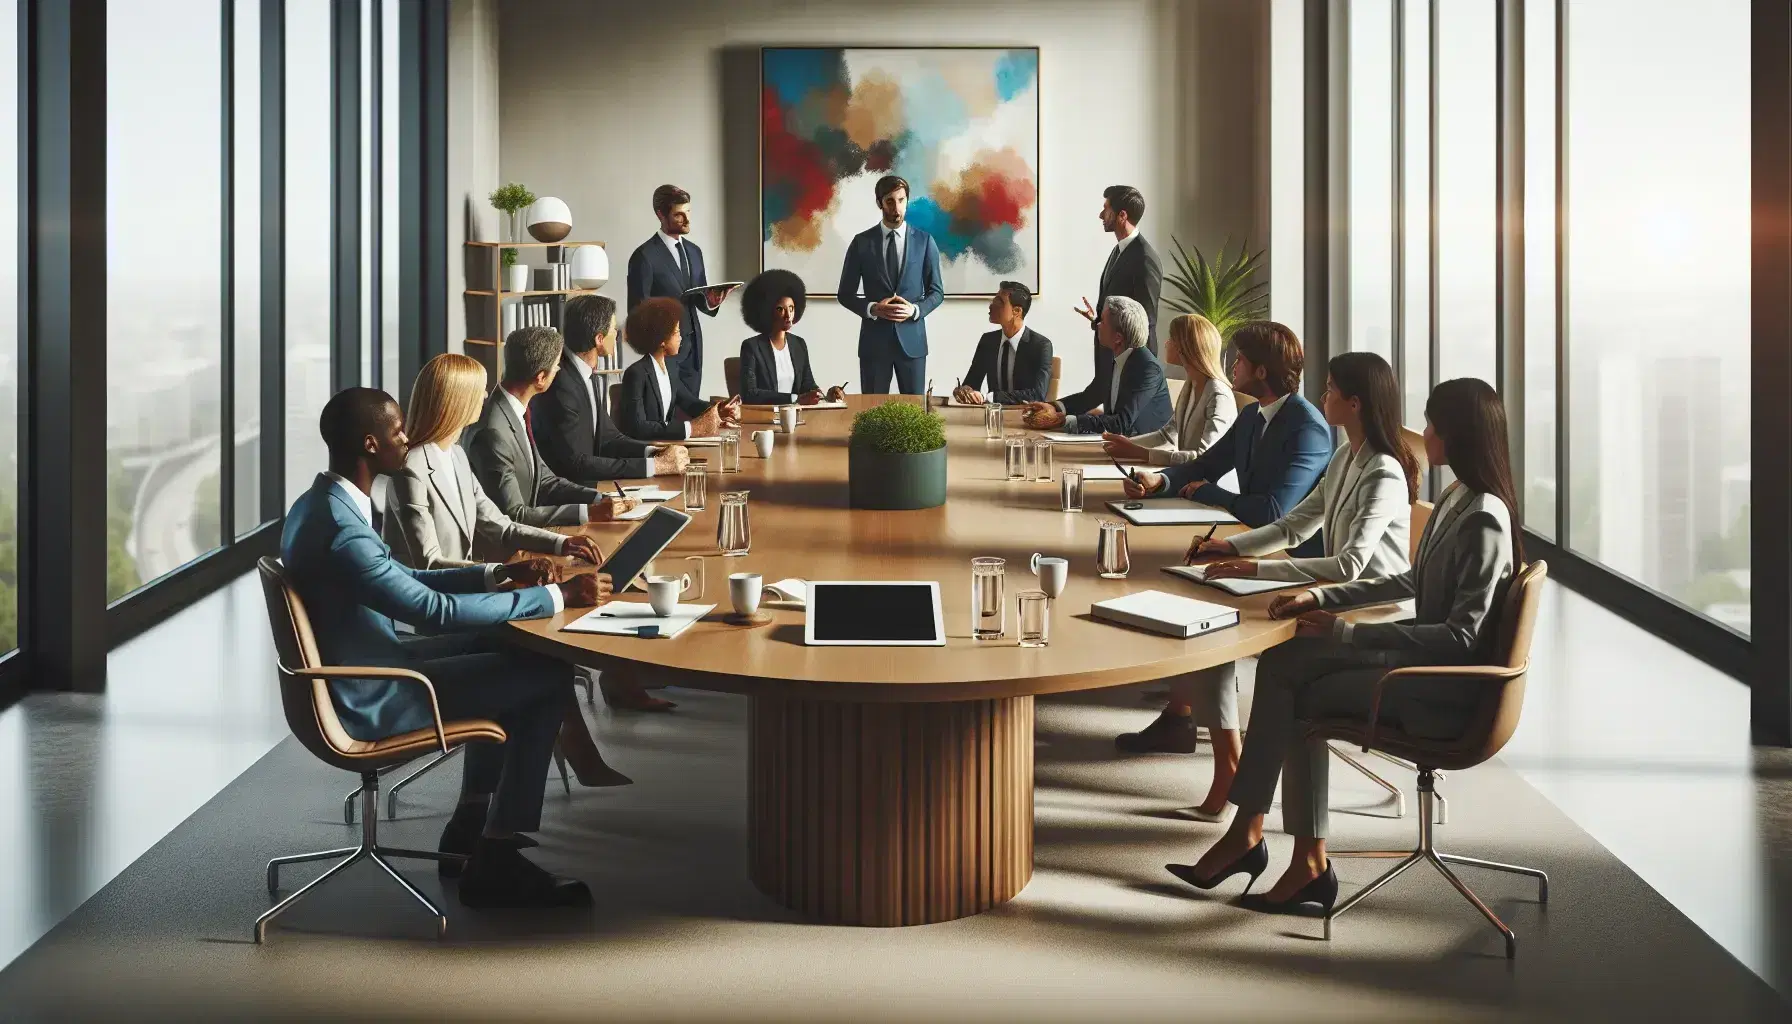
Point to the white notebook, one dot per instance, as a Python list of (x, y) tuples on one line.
[(1057, 437), (1232, 585), (624, 618), (788, 591), (1170, 512), (651, 492), (1170, 614), (1107, 471)]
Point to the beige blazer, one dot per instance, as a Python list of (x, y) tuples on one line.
[(1360, 504), (429, 528), (1201, 419)]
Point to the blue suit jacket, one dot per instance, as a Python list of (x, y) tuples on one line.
[(918, 282), (1143, 405), (1277, 467), (353, 589)]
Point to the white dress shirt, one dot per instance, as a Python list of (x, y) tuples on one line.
[(522, 416), (786, 370), (883, 242), (364, 505), (1269, 411), (1003, 379), (592, 383), (665, 383)]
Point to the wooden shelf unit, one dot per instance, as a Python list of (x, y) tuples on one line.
[(484, 306)]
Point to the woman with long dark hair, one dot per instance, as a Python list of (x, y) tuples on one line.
[(1362, 509), (1465, 560)]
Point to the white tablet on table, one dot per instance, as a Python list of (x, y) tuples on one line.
[(873, 613)]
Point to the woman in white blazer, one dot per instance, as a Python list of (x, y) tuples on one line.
[(1465, 562), (1205, 408), (1363, 504)]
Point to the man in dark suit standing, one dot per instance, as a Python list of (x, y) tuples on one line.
[(899, 267), (573, 429), (1132, 270), (670, 265), (1016, 360)]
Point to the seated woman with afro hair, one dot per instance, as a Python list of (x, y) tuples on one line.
[(774, 364), (650, 400)]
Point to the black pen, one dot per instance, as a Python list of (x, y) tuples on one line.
[(1189, 559), (1124, 471)]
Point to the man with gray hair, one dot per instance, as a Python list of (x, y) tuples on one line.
[(1131, 392), (501, 446)]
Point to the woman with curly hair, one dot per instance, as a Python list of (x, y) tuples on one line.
[(774, 363)]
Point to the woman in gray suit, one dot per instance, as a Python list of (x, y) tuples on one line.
[(1205, 408), (1465, 560), (1363, 504)]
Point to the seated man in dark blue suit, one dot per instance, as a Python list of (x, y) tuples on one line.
[(1279, 448), (1131, 392), (355, 591)]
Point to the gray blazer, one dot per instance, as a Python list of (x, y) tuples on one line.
[(1201, 418), (1360, 504), (511, 470), (1459, 577), (433, 524)]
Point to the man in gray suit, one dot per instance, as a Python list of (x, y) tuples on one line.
[(501, 446)]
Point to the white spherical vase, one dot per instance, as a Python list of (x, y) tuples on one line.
[(590, 266), (550, 220)]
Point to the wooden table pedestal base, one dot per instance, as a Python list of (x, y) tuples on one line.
[(890, 814)]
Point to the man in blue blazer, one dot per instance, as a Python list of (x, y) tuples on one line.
[(354, 590), (1131, 390), (669, 264), (1279, 447), (898, 265)]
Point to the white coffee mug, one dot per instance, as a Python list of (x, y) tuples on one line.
[(762, 440), (744, 589), (663, 592), (1052, 572), (787, 417)]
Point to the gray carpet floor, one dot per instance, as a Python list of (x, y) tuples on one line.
[(679, 933)]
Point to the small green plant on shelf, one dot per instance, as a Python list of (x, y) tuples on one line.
[(508, 256), (898, 428), (510, 198)]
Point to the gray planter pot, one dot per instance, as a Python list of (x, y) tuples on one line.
[(883, 481)]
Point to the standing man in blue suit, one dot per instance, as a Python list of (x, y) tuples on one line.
[(670, 265), (1279, 447), (899, 267), (355, 590)]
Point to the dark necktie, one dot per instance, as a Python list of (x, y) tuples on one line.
[(1109, 268), (891, 263), (684, 262), (597, 398), (1007, 367), (529, 424)]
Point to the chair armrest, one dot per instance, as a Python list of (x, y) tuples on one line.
[(1439, 673), (380, 672)]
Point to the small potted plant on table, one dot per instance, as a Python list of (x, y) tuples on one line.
[(897, 458)]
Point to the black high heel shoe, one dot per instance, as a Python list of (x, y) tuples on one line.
[(1254, 862), (1322, 891)]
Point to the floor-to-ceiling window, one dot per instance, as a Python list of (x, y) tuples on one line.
[(9, 324), (1657, 287), (1370, 175), (308, 147), (245, 163), (164, 220)]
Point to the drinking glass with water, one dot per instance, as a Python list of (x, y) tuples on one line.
[(988, 612)]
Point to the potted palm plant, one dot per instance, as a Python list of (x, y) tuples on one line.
[(1222, 291), (897, 458)]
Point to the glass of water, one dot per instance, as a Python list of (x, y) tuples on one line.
[(988, 612), (1034, 610), (1070, 489), (992, 421), (730, 451), (1017, 457), (1042, 459), (1112, 561), (734, 531), (696, 484)]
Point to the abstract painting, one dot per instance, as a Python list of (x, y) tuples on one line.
[(961, 124)]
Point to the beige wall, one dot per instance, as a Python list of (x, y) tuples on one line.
[(472, 143), (602, 100)]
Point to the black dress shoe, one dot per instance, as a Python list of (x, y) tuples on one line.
[(1253, 863), (461, 835), (499, 877), (1322, 891), (1170, 734)]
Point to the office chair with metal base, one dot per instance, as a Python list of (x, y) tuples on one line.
[(1501, 687)]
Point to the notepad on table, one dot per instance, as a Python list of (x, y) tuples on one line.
[(641, 511), (953, 403), (650, 492), (788, 591), (1169, 614), (1232, 585), (1058, 437), (625, 618), (1101, 471), (699, 442), (1170, 512)]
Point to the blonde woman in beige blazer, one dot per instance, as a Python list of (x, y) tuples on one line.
[(1364, 506), (1205, 408)]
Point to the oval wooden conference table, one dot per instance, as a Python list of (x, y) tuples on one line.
[(894, 785)]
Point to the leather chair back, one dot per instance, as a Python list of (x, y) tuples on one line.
[(310, 713), (615, 389), (1421, 517), (1051, 390), (731, 374), (1497, 718)]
